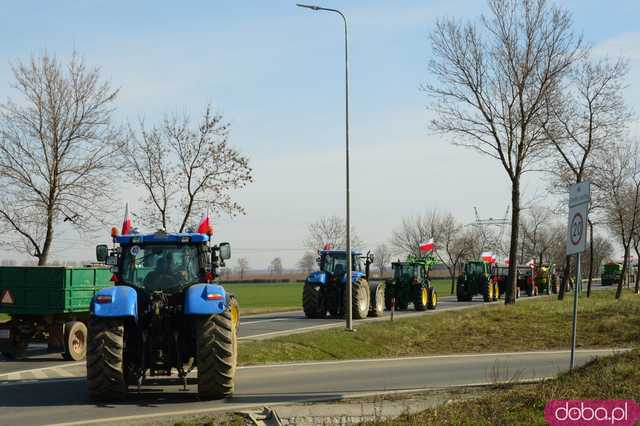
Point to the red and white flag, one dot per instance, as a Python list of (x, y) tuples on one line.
[(126, 223), (494, 258), (428, 246), (205, 226), (487, 256), (506, 261)]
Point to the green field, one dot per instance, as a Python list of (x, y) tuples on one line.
[(4, 317), (538, 324), (268, 297)]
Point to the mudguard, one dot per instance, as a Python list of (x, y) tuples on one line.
[(317, 277), (124, 302), (205, 299), (355, 276)]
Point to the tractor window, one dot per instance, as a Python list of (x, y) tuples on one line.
[(474, 268), (337, 263), (160, 267)]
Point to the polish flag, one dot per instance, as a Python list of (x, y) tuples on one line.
[(487, 256), (205, 226), (126, 223), (494, 258), (428, 246)]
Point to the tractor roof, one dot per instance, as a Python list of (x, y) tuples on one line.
[(340, 252), (162, 237)]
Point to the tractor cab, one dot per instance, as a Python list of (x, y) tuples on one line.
[(476, 269), (334, 263), (164, 262)]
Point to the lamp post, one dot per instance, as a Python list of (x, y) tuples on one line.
[(349, 313)]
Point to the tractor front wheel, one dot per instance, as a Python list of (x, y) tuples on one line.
[(460, 292), (496, 292), (377, 300), (487, 290), (105, 352), (217, 353), (360, 296), (421, 299), (312, 301), (433, 298)]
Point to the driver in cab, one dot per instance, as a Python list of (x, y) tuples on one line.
[(162, 276)]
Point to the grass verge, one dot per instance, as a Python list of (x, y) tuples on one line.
[(4, 317), (534, 325), (614, 377)]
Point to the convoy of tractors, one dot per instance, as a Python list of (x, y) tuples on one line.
[(153, 305)]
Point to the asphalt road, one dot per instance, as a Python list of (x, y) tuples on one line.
[(53, 401)]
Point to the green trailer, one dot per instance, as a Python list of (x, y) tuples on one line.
[(48, 304)]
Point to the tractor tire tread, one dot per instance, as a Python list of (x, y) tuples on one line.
[(217, 349), (105, 353)]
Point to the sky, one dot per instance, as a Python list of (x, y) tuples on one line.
[(276, 73)]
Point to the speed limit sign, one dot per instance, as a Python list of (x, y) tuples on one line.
[(579, 196)]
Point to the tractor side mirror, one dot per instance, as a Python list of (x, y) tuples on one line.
[(224, 250), (102, 252)]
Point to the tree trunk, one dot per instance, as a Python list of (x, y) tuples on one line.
[(637, 288), (565, 278), (510, 288), (624, 272), (590, 258), (44, 254), (453, 279)]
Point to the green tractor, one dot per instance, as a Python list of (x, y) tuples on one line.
[(543, 278), (411, 284), (611, 273), (476, 279)]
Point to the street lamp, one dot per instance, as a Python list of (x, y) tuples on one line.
[(349, 314)]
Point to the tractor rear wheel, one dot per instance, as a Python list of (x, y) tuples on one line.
[(75, 341), (433, 298), (360, 299), (377, 300), (421, 298), (105, 352), (217, 353), (312, 301), (487, 290)]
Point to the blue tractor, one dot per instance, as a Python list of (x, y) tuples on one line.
[(164, 312), (324, 291)]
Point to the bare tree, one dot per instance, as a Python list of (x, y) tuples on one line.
[(455, 243), (57, 146), (275, 267), (243, 266), (491, 84), (585, 114), (618, 178), (331, 230), (191, 167), (382, 258), (539, 232), (602, 249), (415, 230), (307, 262)]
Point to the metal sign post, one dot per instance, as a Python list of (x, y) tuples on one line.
[(579, 197)]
